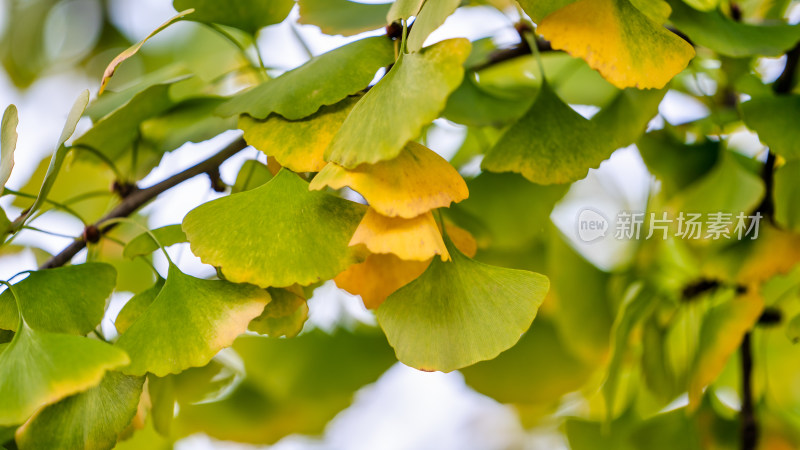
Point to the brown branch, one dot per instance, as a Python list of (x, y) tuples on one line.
[(749, 424), (139, 197)]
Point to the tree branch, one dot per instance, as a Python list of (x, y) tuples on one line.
[(139, 197)]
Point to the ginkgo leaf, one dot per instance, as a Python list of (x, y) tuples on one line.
[(774, 118), (252, 175), (539, 9), (136, 306), (189, 321), (284, 315), (733, 38), (403, 9), (324, 80), (552, 143), (619, 41), (132, 50), (728, 188), (343, 17), (276, 235), (161, 392), (90, 420), (721, 334), (378, 277), (416, 239), (786, 195), (430, 17), (372, 133), (416, 181), (8, 143), (460, 312), (68, 299), (144, 244), (191, 120), (38, 368), (247, 15), (297, 144)]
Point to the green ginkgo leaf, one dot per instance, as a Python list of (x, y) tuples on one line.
[(188, 322), (552, 143), (247, 15), (431, 16), (297, 144), (8, 143), (276, 235), (252, 175), (90, 420), (136, 306), (343, 16), (774, 118), (460, 312), (144, 244), (724, 35), (284, 315), (727, 187), (786, 194), (68, 299), (192, 120), (403, 9), (323, 80), (372, 131), (39, 368)]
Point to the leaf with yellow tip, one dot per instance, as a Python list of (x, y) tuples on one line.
[(39, 368), (628, 48), (276, 235), (721, 334), (297, 144), (460, 312), (284, 315), (415, 239), (188, 323), (378, 277), (415, 182)]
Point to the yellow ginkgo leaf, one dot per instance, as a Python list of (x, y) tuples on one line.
[(378, 277), (463, 239), (415, 239), (619, 41), (415, 182)]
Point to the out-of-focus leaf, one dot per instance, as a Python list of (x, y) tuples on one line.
[(189, 321), (440, 65), (252, 175), (772, 118), (721, 334), (192, 120), (8, 143), (416, 239), (293, 385), (136, 306), (247, 15), (460, 312), (162, 402), (786, 193), (132, 50), (297, 144), (431, 16), (403, 9), (284, 315), (675, 164), (39, 368), (552, 143), (90, 420), (619, 41), (415, 182), (731, 38), (144, 244), (303, 239), (68, 299), (324, 80), (471, 105), (343, 16)]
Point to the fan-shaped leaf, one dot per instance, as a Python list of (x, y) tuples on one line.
[(144, 244), (38, 368), (323, 80), (90, 420), (774, 119), (403, 9), (415, 182), (252, 175), (460, 312), (416, 239), (8, 143), (284, 315), (188, 323), (343, 16), (297, 144), (68, 299), (247, 15), (136, 306), (431, 16), (372, 131), (619, 41), (276, 235)]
